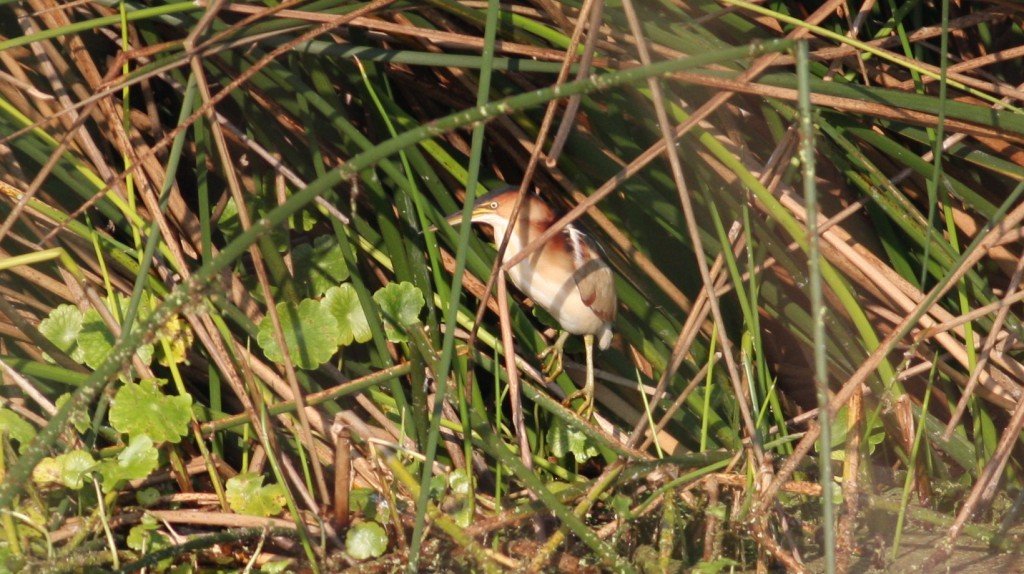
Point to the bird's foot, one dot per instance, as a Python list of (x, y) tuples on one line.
[(552, 357), (585, 410), (551, 361)]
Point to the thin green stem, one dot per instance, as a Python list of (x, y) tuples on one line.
[(455, 292), (807, 153)]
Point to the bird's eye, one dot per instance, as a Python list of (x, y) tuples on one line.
[(493, 205)]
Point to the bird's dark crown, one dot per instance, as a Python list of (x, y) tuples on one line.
[(495, 193)]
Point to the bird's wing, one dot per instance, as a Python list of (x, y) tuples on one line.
[(593, 277)]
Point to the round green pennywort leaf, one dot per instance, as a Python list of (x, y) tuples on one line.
[(343, 303), (137, 460), (366, 540), (246, 494), (319, 266), (96, 340), (68, 469), (143, 409), (400, 304), (61, 328), (16, 427), (310, 334)]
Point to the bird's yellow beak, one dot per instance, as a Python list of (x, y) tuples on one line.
[(478, 210), (456, 218)]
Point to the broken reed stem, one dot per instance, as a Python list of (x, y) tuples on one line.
[(512, 372), (342, 472)]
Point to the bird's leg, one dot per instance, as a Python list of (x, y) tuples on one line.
[(586, 410), (552, 356)]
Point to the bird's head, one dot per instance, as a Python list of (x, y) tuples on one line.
[(495, 209)]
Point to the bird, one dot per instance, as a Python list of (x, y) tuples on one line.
[(566, 276)]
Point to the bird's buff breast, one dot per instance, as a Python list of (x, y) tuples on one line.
[(557, 293)]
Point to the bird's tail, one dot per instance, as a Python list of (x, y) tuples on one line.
[(604, 338)]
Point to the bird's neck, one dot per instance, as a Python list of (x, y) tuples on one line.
[(516, 242)]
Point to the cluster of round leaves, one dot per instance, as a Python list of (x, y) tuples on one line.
[(330, 316), (149, 417), (314, 329), (85, 337), (143, 412)]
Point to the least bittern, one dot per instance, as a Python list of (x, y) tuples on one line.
[(566, 276)]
